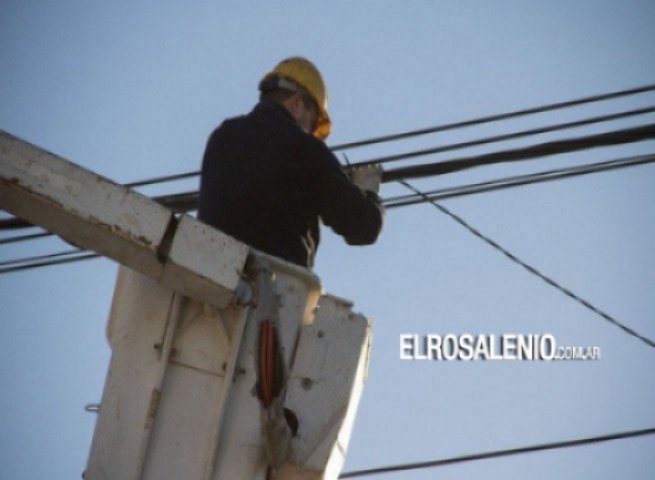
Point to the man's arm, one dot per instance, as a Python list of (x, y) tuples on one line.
[(351, 212)]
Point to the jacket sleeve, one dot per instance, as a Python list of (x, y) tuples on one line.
[(352, 213)]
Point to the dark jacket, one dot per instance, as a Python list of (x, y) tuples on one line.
[(266, 182)]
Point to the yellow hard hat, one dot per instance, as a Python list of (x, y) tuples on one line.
[(304, 73)]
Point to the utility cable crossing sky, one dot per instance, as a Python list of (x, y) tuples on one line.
[(187, 201), (467, 123), (530, 268), (498, 454)]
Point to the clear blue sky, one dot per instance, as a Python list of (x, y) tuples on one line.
[(132, 90)]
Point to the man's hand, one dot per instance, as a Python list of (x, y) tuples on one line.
[(367, 177)]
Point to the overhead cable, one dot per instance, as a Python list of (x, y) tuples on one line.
[(166, 178), (435, 129), (188, 201), (48, 263), (11, 222), (17, 223), (180, 202), (494, 118), (516, 181), (497, 454), (505, 137), (530, 268), (616, 137), (38, 258), (22, 238)]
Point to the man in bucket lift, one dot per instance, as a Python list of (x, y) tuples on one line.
[(267, 177)]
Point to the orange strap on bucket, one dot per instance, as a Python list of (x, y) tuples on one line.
[(266, 361)]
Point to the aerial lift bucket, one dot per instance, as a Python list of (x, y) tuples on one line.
[(183, 397)]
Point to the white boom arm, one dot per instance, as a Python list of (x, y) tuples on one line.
[(95, 213)]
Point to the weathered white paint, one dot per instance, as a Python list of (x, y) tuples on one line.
[(95, 213)]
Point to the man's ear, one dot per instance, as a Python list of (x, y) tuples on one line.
[(296, 103)]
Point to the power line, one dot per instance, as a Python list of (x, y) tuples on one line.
[(22, 238), (180, 202), (615, 137), (11, 222), (516, 181), (40, 257), (166, 178), (435, 129), (188, 201), (498, 453), (47, 263), (505, 137), (443, 168), (530, 268), (494, 118)]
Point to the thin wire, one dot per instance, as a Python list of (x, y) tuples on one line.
[(40, 257), (48, 263), (188, 200), (180, 202), (11, 222), (505, 137), (493, 118), (166, 178), (530, 268), (498, 453), (615, 137), (635, 134), (17, 223), (185, 202), (22, 238), (439, 128), (517, 181)]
